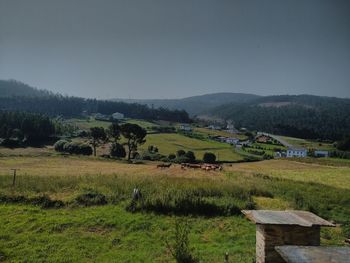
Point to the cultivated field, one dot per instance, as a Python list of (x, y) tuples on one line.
[(171, 142), (65, 209)]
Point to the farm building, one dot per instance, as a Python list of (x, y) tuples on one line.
[(185, 127), (101, 117), (320, 153), (214, 127), (117, 116), (296, 152), (232, 140)]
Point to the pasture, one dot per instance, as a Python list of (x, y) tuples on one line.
[(168, 143), (103, 229)]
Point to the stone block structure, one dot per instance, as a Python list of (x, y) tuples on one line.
[(279, 228)]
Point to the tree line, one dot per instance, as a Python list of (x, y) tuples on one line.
[(54, 105), (133, 135), (310, 117), (21, 128)]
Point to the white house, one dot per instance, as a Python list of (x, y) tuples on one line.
[(320, 153), (296, 152), (232, 140), (214, 127), (185, 127), (117, 116)]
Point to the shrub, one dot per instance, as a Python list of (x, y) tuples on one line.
[(171, 156), (117, 150), (59, 145), (209, 157), (191, 157), (152, 149), (346, 229), (10, 142), (77, 148), (181, 250), (152, 156), (181, 159), (180, 153), (91, 197)]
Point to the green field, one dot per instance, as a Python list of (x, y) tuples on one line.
[(171, 142), (80, 232), (297, 142), (91, 122)]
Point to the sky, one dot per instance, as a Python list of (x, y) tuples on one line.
[(177, 48)]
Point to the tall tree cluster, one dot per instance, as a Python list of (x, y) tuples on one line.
[(54, 105), (25, 127)]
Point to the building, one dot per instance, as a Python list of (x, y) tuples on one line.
[(214, 127), (117, 116), (283, 229), (321, 153), (101, 117), (185, 127), (296, 152), (232, 140)]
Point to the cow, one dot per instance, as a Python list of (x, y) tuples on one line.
[(164, 165)]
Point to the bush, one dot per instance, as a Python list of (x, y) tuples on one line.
[(191, 157), (181, 250), (117, 150), (152, 149), (59, 145), (77, 148), (152, 156), (181, 159), (180, 153), (209, 157), (171, 156), (10, 142), (91, 197)]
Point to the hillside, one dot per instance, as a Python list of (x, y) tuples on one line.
[(196, 104), (11, 88), (16, 96), (302, 116)]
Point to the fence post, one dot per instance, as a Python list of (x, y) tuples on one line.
[(14, 177)]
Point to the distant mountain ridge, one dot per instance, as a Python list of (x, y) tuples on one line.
[(196, 104), (302, 116), (13, 88)]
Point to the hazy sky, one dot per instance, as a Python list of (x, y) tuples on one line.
[(177, 48)]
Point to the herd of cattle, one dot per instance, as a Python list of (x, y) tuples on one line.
[(205, 166)]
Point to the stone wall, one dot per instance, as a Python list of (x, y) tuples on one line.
[(269, 236)]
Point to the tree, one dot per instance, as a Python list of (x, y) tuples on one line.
[(191, 157), (114, 131), (209, 157), (180, 153), (97, 136), (344, 145), (117, 150), (152, 149), (134, 134)]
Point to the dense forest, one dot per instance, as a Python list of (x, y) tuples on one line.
[(21, 128), (24, 98), (303, 116)]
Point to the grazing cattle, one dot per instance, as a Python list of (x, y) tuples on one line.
[(194, 166), (210, 167), (164, 165)]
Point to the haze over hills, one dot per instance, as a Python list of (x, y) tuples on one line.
[(303, 116), (196, 104)]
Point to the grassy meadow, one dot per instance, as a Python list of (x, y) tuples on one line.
[(76, 209), (171, 142)]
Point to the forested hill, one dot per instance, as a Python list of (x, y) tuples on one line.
[(13, 88), (196, 104), (16, 96), (302, 116)]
